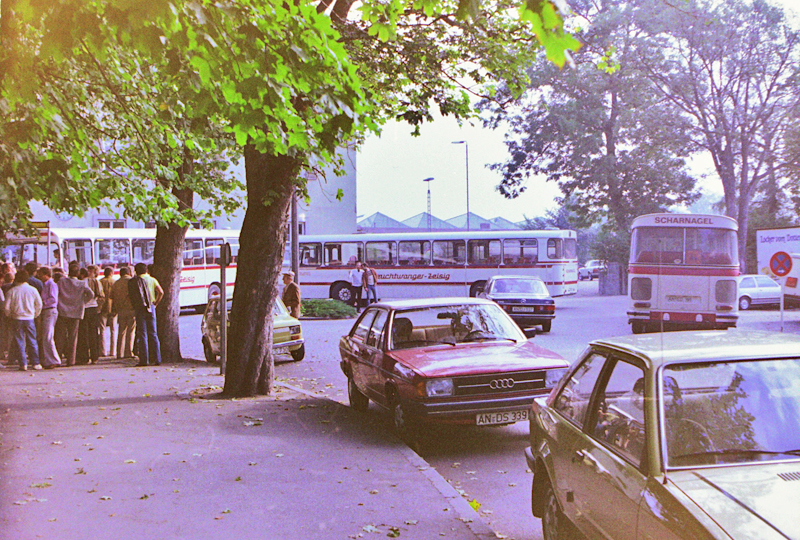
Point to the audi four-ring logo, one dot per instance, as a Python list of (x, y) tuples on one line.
[(497, 384)]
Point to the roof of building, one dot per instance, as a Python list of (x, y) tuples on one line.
[(420, 221), (380, 221)]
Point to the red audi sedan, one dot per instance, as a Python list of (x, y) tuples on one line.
[(452, 360)]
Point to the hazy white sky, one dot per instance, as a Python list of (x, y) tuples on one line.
[(391, 169)]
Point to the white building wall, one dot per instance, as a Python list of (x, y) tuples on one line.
[(324, 213)]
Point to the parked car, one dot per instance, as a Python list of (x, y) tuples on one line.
[(525, 298), (682, 435), (287, 332), (591, 270), (451, 360), (758, 290)]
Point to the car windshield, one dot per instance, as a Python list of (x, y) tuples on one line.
[(519, 286), (731, 412), (451, 325)]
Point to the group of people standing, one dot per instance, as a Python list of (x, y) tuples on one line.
[(51, 318), (363, 280)]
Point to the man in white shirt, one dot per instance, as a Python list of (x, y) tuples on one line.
[(22, 306), (357, 284)]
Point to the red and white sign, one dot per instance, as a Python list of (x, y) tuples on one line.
[(780, 263)]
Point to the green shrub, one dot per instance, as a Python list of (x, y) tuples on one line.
[(328, 309)]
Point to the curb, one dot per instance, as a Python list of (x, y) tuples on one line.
[(465, 512)]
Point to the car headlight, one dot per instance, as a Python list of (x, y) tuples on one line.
[(552, 376), (439, 387)]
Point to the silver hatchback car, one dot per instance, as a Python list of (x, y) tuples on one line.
[(758, 290)]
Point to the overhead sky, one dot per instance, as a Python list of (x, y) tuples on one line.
[(391, 169)]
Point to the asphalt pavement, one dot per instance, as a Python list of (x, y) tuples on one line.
[(120, 452)]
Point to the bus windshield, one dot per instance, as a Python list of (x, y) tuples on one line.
[(684, 246)]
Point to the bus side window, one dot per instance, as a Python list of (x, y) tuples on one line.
[(113, 253), (143, 250), (193, 253), (310, 254), (381, 253), (234, 242), (554, 249), (212, 250), (520, 252), (79, 251), (414, 253)]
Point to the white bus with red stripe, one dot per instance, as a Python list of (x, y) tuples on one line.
[(117, 247), (683, 272), (426, 264)]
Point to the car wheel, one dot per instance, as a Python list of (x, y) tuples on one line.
[(477, 288), (744, 303), (358, 401), (552, 519), (638, 327), (403, 425), (342, 292), (546, 325), (299, 354), (211, 358)]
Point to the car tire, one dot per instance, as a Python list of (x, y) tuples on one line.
[(342, 292), (744, 303), (553, 521), (638, 327), (403, 425), (358, 401), (546, 325), (477, 288), (211, 358), (299, 354)]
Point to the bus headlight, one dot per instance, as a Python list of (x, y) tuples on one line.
[(641, 288), (439, 387), (725, 291)]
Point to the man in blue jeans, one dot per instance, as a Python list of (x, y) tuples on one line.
[(22, 305), (145, 293)]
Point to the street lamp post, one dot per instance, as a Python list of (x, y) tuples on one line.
[(428, 181), (466, 147)]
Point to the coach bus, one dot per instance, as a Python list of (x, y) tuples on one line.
[(117, 247), (683, 272), (433, 264)]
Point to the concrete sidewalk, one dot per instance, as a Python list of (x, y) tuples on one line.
[(116, 452)]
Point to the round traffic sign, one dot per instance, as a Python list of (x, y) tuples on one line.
[(780, 263)]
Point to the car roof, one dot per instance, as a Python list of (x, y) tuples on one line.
[(431, 302), (705, 345)]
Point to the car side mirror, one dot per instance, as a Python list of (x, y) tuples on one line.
[(529, 332)]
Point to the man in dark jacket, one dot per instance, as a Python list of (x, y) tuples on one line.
[(145, 293)]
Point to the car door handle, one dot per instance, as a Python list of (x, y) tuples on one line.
[(578, 456)]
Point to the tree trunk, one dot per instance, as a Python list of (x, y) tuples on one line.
[(167, 265), (270, 184)]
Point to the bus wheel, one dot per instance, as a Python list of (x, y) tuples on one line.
[(477, 288), (214, 290), (341, 291)]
